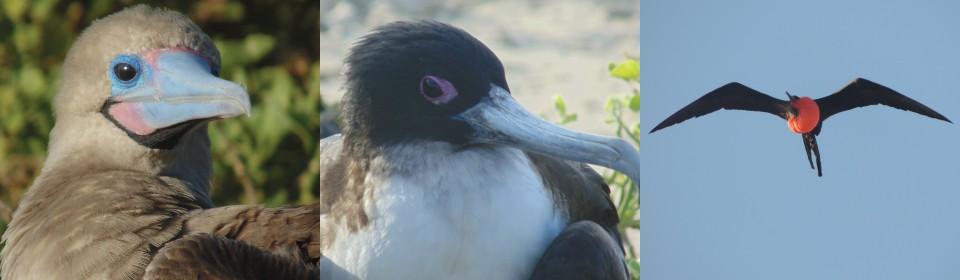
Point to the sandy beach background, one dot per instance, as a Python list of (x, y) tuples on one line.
[(548, 48)]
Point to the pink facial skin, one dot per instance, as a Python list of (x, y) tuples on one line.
[(449, 91), (131, 115), (130, 118), (151, 56)]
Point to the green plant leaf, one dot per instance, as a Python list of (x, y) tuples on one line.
[(256, 46), (14, 9), (31, 81), (634, 266), (628, 70), (560, 104)]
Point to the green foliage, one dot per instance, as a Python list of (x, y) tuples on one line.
[(628, 70), (626, 197), (270, 47), (560, 105)]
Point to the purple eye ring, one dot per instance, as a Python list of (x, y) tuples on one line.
[(436, 90)]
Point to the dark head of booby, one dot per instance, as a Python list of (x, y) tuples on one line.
[(158, 95), (431, 81), (405, 80)]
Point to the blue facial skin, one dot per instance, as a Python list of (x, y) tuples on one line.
[(178, 86), (119, 86)]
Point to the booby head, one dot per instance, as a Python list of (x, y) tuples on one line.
[(157, 95), (428, 81), (141, 84)]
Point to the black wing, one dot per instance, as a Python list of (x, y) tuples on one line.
[(590, 247), (584, 250), (862, 92), (732, 96)]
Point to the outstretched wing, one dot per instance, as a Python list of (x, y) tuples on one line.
[(862, 92), (732, 96)]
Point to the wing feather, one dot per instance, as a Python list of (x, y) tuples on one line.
[(205, 256), (584, 250), (862, 92), (591, 240), (732, 96)]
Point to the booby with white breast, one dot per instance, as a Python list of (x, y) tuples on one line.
[(440, 174)]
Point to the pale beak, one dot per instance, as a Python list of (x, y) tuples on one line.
[(499, 119), (178, 86)]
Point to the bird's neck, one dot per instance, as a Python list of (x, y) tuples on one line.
[(436, 167), (79, 153), (807, 118)]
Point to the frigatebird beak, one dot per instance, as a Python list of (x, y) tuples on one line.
[(177, 86), (499, 119)]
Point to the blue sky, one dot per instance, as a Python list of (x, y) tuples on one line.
[(731, 196)]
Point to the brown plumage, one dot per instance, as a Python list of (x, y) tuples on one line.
[(112, 194), (206, 256)]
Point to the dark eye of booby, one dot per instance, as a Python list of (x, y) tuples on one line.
[(437, 90), (124, 71)]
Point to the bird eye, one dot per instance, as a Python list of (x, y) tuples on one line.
[(437, 90), (124, 71)]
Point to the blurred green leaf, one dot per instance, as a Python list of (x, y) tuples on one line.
[(256, 46), (14, 9), (560, 104), (634, 266), (31, 81), (628, 70), (40, 10), (26, 38), (234, 11)]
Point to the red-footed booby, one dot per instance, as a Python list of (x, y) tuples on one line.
[(129, 164), (441, 174)]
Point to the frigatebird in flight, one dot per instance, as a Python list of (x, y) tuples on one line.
[(804, 115)]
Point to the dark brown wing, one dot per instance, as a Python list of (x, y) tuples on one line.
[(862, 92), (294, 232), (581, 191), (584, 250), (205, 256), (732, 96)]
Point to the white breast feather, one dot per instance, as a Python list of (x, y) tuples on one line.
[(472, 214)]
